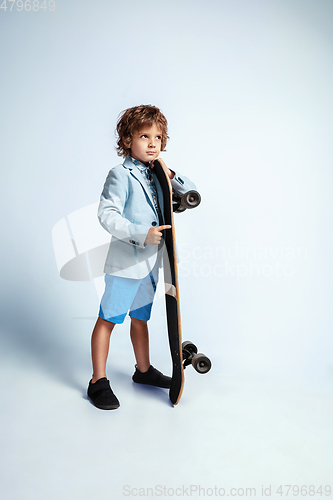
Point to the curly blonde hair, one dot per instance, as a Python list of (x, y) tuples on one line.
[(133, 119)]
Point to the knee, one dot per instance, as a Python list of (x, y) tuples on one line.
[(136, 321), (104, 324)]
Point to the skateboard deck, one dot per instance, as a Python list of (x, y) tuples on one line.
[(171, 281), (171, 287)]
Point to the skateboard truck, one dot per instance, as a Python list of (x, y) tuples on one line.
[(199, 361), (190, 199)]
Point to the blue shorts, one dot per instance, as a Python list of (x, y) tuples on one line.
[(126, 294)]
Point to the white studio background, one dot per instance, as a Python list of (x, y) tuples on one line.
[(246, 88)]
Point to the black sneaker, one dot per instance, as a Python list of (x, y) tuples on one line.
[(101, 395), (152, 377)]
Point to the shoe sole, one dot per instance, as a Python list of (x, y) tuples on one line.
[(107, 407), (102, 407), (153, 385)]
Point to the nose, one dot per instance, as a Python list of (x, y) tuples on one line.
[(152, 142)]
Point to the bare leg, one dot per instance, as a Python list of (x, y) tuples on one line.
[(140, 341), (100, 341)]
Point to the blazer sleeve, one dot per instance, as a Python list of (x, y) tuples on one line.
[(181, 184), (111, 207)]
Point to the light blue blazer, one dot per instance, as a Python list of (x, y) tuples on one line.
[(126, 210)]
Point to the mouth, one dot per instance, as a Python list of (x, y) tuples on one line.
[(151, 153)]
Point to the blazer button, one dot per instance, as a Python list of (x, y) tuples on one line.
[(154, 223)]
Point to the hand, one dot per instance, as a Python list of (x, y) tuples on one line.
[(170, 173), (154, 235)]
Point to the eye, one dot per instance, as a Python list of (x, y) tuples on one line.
[(159, 137)]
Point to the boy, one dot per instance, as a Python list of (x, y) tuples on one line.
[(131, 210)]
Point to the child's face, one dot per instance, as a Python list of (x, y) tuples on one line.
[(146, 143)]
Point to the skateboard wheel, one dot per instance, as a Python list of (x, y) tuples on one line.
[(188, 346), (201, 363), (191, 199), (177, 208)]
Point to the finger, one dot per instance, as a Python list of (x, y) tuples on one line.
[(160, 228)]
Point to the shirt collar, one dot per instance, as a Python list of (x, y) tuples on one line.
[(141, 166)]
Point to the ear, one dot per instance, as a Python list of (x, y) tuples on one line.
[(127, 142)]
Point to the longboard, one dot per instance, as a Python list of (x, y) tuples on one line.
[(200, 362)]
